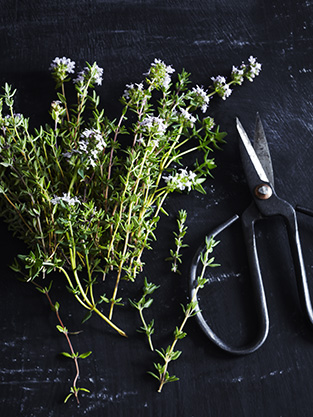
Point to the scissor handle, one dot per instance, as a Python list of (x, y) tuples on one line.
[(250, 216), (280, 207), (248, 220), (290, 217)]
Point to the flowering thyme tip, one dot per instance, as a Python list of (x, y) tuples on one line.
[(237, 75), (91, 143), (188, 116), (92, 74), (60, 68), (249, 71), (181, 180), (200, 98), (154, 125), (62, 64), (159, 74), (221, 87), (133, 90), (71, 201), (254, 68)]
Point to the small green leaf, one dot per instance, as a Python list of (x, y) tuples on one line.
[(84, 389), (68, 355), (85, 355), (62, 329), (154, 375), (69, 396), (87, 316)]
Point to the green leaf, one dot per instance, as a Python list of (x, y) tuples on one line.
[(172, 378), (62, 329), (84, 389), (160, 353), (87, 316), (69, 396), (148, 303), (85, 355), (154, 375), (68, 355), (176, 355)]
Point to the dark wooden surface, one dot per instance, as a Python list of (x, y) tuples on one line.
[(206, 37)]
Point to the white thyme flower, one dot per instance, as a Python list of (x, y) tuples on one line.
[(90, 144), (201, 97), (140, 141), (219, 80), (131, 89), (221, 86), (159, 72), (62, 65), (67, 154), (181, 180), (168, 68), (154, 124), (92, 74), (66, 198), (237, 74), (57, 110), (16, 116), (254, 68), (188, 116)]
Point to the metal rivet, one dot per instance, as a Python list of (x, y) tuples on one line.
[(263, 191)]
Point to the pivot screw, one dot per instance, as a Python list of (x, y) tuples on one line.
[(263, 191)]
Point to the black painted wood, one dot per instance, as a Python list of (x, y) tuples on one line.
[(206, 37)]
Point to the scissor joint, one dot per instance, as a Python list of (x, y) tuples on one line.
[(263, 191)]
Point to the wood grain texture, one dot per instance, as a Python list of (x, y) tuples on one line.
[(206, 37)]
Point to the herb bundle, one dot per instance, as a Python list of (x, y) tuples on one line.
[(85, 205)]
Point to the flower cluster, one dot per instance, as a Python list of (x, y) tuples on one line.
[(253, 69), (91, 143), (199, 98), (188, 117), (154, 125), (181, 180), (133, 91), (238, 74), (249, 71), (92, 74), (61, 67), (66, 198), (57, 110), (221, 87), (159, 74)]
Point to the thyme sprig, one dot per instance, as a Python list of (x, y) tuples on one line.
[(74, 390), (170, 354), (142, 304), (176, 256)]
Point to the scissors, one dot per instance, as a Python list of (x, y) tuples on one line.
[(259, 174)]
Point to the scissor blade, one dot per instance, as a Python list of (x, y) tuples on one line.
[(251, 152), (261, 148)]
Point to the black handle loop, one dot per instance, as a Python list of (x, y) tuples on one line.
[(280, 207), (248, 220), (254, 213)]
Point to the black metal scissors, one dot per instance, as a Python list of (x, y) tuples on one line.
[(258, 169)]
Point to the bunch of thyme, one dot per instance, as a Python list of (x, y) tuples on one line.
[(86, 206)]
